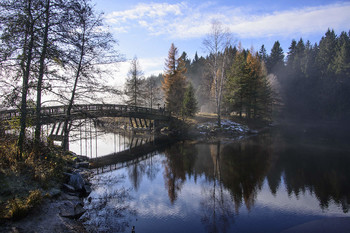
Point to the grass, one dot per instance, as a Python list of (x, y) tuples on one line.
[(24, 182)]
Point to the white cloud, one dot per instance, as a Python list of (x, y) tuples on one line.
[(182, 20), (304, 21), (147, 11)]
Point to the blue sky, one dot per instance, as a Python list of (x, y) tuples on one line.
[(146, 29)]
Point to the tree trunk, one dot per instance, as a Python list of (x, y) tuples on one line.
[(40, 81), (70, 105), (25, 87)]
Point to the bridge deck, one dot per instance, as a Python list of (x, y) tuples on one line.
[(55, 113)]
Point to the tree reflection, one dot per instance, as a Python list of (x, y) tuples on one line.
[(244, 166), (136, 172), (152, 168), (217, 207), (320, 169), (180, 160), (140, 168), (107, 207)]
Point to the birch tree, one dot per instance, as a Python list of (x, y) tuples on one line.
[(215, 44)]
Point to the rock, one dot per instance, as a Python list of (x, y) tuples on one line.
[(87, 189), (54, 192), (66, 196), (77, 181), (68, 188), (82, 158), (253, 131), (72, 210), (82, 165), (67, 174)]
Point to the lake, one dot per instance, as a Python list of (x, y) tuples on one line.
[(264, 183)]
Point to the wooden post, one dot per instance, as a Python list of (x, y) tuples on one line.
[(137, 125)]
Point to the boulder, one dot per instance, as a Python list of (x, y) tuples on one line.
[(72, 210), (76, 181), (68, 188), (87, 189), (82, 165), (54, 192)]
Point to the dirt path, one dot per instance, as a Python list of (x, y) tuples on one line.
[(45, 219)]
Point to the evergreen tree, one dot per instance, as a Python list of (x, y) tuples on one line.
[(247, 88), (190, 105), (327, 53), (342, 58), (263, 54), (174, 81), (237, 83), (275, 62), (134, 89)]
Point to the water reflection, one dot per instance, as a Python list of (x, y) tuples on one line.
[(227, 186), (107, 208), (94, 139), (137, 171), (179, 162)]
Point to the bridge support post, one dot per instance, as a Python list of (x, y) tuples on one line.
[(131, 123), (53, 129), (137, 125), (156, 125)]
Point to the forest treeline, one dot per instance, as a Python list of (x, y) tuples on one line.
[(310, 82)]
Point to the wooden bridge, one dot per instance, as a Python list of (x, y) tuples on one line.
[(140, 117), (58, 113)]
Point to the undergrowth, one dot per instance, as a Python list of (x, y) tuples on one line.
[(23, 181)]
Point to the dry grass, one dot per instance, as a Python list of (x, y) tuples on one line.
[(22, 180)]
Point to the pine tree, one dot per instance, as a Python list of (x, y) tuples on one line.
[(247, 87), (327, 53), (134, 89), (190, 105), (263, 54), (342, 58), (275, 62), (236, 83), (174, 81)]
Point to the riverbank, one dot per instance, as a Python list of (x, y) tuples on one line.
[(203, 127), (39, 193)]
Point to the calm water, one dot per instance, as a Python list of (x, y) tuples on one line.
[(266, 183)]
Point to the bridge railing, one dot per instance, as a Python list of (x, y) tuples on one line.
[(80, 108)]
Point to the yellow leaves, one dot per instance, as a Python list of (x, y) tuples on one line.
[(18, 208)]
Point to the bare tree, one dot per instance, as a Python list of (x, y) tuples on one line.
[(88, 46), (215, 44), (152, 91)]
